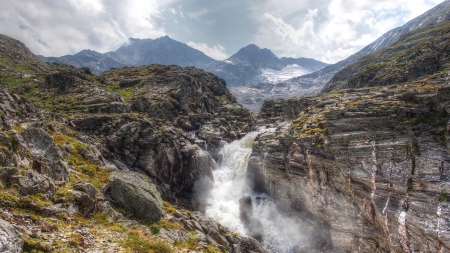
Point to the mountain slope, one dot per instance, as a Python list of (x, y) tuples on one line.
[(95, 61), (320, 78), (422, 52)]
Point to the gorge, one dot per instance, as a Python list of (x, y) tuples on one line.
[(163, 158)]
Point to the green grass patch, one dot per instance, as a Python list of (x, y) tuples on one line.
[(127, 93), (36, 246), (137, 241), (169, 208), (444, 197)]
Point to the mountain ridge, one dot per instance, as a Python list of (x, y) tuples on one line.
[(167, 51)]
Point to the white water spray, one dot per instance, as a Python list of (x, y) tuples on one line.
[(230, 185)]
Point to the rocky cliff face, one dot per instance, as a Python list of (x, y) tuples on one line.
[(371, 164)]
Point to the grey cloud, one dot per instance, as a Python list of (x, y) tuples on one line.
[(328, 30)]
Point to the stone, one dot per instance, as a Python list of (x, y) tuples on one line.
[(137, 194), (10, 239), (253, 225), (85, 187), (55, 210), (86, 204), (106, 208), (47, 159), (245, 209), (34, 182)]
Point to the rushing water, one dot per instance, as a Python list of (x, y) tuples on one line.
[(230, 186)]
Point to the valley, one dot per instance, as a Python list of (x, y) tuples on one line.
[(156, 147)]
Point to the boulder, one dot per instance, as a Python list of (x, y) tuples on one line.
[(10, 240), (6, 173), (34, 182), (86, 188), (55, 210), (247, 244), (46, 157), (137, 194), (86, 197)]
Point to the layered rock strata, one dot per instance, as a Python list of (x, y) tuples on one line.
[(371, 164)]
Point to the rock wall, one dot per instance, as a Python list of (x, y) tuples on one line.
[(373, 165)]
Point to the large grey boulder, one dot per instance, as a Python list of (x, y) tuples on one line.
[(47, 159), (137, 194), (10, 240)]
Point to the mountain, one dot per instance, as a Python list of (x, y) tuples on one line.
[(422, 52), (250, 65), (256, 58), (95, 61), (86, 160), (164, 50), (320, 78)]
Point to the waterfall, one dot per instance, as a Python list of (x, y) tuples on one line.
[(230, 185)]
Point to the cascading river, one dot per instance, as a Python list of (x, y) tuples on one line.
[(230, 185)]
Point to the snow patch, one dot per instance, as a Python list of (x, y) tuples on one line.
[(288, 72)]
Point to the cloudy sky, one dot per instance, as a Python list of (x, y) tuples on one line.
[(326, 30)]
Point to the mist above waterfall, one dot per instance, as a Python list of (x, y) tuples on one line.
[(278, 233)]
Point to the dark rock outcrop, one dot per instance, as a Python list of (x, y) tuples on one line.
[(208, 230), (79, 91), (137, 194)]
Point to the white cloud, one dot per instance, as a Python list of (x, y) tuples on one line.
[(215, 51), (327, 30), (333, 31), (196, 15), (64, 27)]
